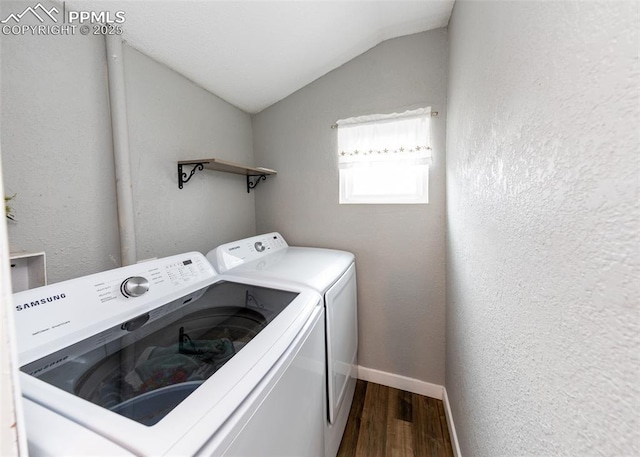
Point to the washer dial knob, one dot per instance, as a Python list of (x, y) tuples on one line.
[(259, 246), (134, 286)]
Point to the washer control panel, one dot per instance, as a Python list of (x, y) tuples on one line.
[(60, 310), (233, 254)]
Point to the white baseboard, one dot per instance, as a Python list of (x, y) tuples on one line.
[(417, 387), (401, 382), (452, 428)]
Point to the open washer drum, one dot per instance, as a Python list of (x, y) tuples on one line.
[(154, 357)]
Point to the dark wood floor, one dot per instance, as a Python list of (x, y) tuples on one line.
[(384, 421)]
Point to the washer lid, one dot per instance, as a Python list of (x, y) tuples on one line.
[(269, 256), (314, 267), (143, 368)]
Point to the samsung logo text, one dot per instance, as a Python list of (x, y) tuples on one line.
[(42, 301)]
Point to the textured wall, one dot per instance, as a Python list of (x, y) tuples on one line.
[(56, 150), (58, 157), (543, 228), (399, 248), (171, 119)]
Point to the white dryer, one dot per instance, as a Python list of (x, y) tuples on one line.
[(169, 358), (333, 274)]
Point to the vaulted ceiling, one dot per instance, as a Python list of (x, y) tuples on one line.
[(255, 53)]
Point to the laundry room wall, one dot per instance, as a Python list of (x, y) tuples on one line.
[(58, 157), (56, 149), (170, 119), (543, 228), (399, 248)]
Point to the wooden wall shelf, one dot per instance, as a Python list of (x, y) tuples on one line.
[(254, 174)]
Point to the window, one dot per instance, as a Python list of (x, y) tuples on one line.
[(385, 158)]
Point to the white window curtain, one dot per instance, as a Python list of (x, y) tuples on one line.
[(384, 158), (386, 138)]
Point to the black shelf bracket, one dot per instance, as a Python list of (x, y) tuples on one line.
[(183, 177), (251, 184)]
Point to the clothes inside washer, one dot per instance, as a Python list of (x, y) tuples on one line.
[(152, 363), (187, 360)]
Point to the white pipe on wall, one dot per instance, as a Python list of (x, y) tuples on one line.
[(120, 132)]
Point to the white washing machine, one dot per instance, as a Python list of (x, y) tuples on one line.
[(333, 274), (169, 358)]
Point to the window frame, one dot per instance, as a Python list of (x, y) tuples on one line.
[(406, 164)]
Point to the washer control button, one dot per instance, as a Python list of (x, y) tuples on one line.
[(259, 246), (134, 286)]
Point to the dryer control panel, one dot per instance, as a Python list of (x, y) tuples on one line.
[(60, 312), (231, 255)]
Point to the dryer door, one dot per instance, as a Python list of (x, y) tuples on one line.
[(342, 338)]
